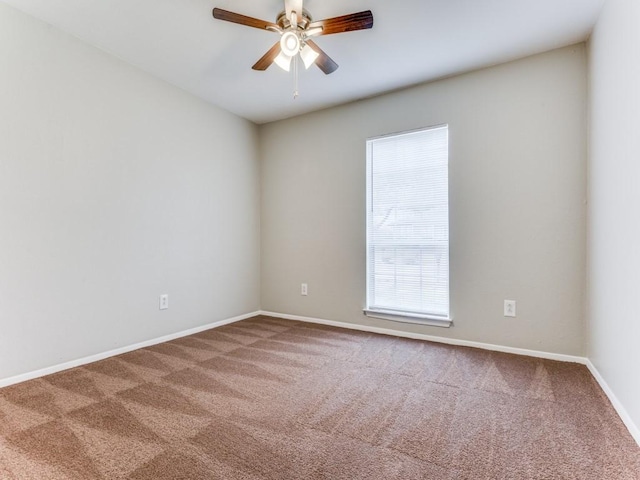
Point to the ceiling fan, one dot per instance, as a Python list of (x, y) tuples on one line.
[(296, 27)]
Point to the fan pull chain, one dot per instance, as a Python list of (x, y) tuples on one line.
[(295, 77)]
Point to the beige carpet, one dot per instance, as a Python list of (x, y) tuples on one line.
[(275, 399)]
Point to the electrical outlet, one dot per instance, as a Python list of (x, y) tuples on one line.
[(509, 308), (303, 289), (164, 301)]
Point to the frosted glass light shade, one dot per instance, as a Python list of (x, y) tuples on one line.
[(283, 61), (289, 44), (309, 56)]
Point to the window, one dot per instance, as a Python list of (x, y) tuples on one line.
[(408, 226)]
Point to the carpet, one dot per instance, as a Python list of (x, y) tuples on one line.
[(268, 398)]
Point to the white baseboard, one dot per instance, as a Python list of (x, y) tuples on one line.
[(622, 412), (119, 351), (617, 405), (432, 338)]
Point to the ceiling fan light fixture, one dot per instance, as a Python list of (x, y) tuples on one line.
[(283, 61), (290, 44), (309, 56)]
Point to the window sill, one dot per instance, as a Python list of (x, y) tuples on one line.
[(430, 320)]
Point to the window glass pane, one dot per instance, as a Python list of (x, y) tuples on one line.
[(408, 223)]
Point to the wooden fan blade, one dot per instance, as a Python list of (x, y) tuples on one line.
[(345, 23), (324, 61), (227, 16), (268, 58)]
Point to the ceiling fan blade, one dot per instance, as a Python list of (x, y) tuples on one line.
[(324, 61), (268, 58), (345, 23), (227, 16)]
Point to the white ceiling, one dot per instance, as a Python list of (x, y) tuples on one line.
[(412, 41)]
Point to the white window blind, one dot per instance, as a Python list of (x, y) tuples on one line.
[(408, 224)]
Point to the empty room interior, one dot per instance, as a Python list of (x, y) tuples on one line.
[(404, 245)]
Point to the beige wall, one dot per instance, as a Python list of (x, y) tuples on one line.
[(517, 193), (614, 201), (114, 188)]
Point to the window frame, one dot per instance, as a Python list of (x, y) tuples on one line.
[(398, 315)]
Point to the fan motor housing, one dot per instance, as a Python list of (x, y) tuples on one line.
[(284, 23)]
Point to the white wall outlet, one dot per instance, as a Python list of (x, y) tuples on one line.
[(164, 302), (303, 289), (509, 308)]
